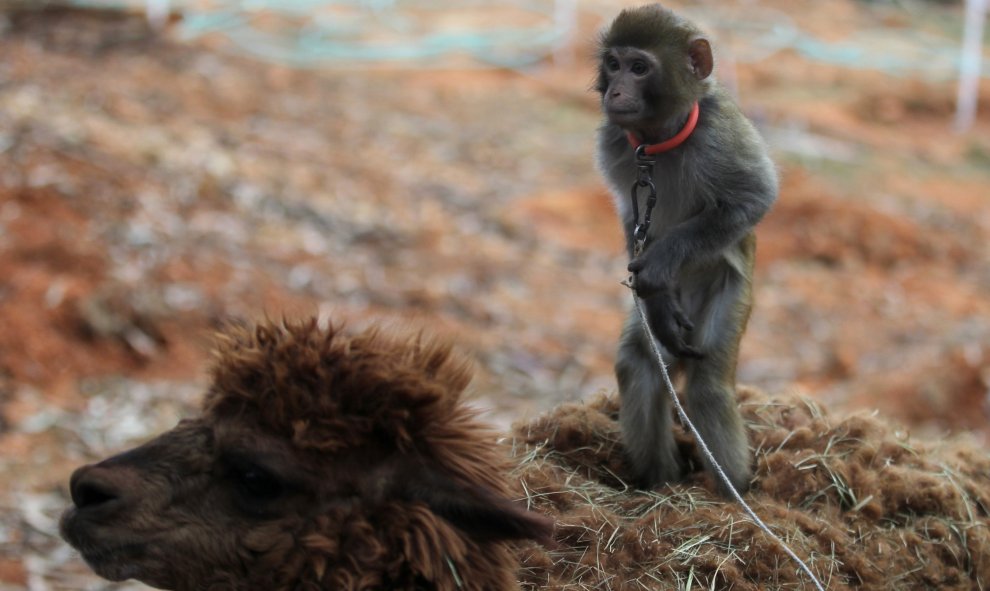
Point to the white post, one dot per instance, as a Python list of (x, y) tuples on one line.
[(970, 68), (156, 11), (565, 24)]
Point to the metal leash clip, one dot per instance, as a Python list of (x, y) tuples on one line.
[(644, 179)]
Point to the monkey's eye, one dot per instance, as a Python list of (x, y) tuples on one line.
[(612, 64), (639, 68)]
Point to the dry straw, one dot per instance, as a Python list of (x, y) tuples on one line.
[(865, 506)]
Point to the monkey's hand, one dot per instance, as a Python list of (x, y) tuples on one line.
[(669, 323), (651, 276)]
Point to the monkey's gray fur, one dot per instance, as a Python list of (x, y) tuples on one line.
[(695, 274)]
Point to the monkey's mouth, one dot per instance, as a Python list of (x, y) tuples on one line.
[(625, 113), (624, 118)]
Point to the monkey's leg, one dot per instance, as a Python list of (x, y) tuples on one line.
[(711, 381), (644, 411)]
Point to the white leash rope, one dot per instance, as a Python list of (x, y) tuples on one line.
[(707, 452)]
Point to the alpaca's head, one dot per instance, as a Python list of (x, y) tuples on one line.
[(319, 461)]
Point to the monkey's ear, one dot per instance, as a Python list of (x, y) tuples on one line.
[(700, 56)]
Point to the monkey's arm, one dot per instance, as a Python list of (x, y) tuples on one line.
[(669, 323), (703, 237)]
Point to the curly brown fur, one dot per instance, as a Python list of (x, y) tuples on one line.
[(863, 504), (320, 461), (267, 489)]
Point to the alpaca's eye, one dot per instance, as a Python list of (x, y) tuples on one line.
[(256, 483), (251, 482)]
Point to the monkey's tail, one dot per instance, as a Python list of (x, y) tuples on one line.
[(707, 452)]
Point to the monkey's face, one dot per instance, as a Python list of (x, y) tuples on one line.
[(650, 90), (631, 87)]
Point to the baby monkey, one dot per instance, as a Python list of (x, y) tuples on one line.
[(693, 266)]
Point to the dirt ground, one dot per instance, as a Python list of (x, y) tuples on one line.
[(153, 188)]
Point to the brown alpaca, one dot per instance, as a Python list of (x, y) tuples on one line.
[(319, 461)]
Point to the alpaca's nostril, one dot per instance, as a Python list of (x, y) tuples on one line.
[(89, 489), (89, 493)]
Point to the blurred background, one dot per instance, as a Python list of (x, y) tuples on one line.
[(168, 165)]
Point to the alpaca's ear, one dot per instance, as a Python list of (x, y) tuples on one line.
[(477, 511), (487, 517)]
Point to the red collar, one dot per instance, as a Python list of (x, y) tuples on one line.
[(673, 142)]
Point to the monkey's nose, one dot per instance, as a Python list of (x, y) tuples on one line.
[(93, 487)]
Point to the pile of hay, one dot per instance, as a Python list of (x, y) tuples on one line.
[(864, 505)]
